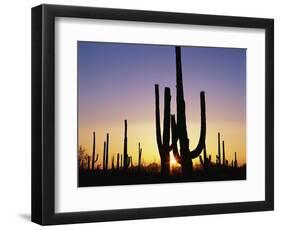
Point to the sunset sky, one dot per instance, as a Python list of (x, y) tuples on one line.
[(116, 82)]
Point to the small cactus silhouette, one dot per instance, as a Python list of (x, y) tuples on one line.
[(223, 155), (118, 161), (235, 160), (126, 158), (94, 158), (218, 157), (107, 149), (104, 156), (105, 152), (140, 153)]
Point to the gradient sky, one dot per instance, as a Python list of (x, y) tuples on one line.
[(116, 82)]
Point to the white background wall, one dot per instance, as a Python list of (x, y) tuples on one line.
[(15, 167)]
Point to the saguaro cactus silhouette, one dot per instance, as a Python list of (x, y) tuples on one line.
[(107, 149), (94, 158), (163, 143), (235, 160), (140, 153), (105, 153), (104, 156), (205, 161), (179, 128), (218, 157), (88, 162), (223, 155), (118, 161), (126, 158)]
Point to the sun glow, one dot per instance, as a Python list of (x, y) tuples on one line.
[(173, 161)]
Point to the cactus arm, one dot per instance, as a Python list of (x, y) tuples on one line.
[(157, 117), (217, 160), (174, 139), (174, 147), (129, 159), (197, 151), (163, 142), (97, 157), (167, 118)]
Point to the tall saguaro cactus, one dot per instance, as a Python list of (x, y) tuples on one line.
[(163, 143), (140, 153), (94, 157), (126, 158), (179, 128)]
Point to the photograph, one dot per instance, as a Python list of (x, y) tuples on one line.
[(160, 114), (140, 114)]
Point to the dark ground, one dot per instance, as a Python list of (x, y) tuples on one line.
[(134, 176)]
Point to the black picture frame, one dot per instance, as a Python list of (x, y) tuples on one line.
[(43, 114)]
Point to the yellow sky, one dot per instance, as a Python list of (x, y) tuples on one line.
[(234, 135)]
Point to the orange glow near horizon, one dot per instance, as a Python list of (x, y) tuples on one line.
[(229, 131)]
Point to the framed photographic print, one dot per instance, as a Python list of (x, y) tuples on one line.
[(141, 114)]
